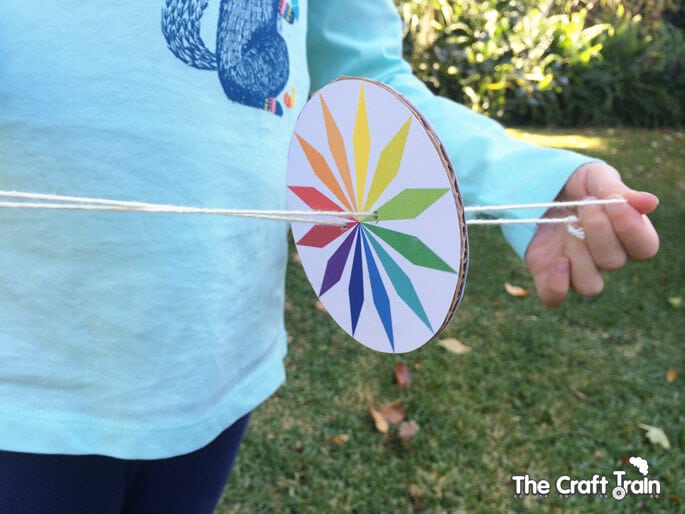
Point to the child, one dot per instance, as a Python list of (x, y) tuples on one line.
[(133, 347)]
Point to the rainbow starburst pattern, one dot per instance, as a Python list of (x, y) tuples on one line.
[(367, 255)]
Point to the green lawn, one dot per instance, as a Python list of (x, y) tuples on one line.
[(548, 392)]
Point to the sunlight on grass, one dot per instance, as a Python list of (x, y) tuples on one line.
[(568, 141)]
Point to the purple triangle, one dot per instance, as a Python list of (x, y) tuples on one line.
[(336, 264)]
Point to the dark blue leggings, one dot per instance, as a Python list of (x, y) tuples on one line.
[(94, 484)]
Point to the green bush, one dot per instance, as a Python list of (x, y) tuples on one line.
[(551, 62), (639, 80)]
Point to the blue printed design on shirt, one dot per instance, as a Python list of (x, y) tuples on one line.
[(251, 55)]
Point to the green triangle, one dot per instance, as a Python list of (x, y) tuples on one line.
[(411, 248), (409, 204)]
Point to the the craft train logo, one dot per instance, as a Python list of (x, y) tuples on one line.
[(618, 486)]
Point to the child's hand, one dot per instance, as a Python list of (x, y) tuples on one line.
[(558, 260)]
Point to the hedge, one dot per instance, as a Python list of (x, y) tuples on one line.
[(563, 62)]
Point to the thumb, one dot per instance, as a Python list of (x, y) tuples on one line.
[(602, 181), (641, 201)]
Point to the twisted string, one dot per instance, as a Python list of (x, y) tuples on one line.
[(79, 203)]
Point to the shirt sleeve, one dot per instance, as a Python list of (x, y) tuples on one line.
[(364, 38)]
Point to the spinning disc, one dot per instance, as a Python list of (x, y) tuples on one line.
[(393, 274)]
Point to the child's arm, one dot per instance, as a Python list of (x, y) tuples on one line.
[(362, 37), (559, 261)]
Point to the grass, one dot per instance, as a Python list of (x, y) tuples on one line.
[(547, 392)]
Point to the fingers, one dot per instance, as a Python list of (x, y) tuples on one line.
[(614, 233), (585, 276), (554, 277), (634, 230), (548, 265), (618, 231), (552, 283), (604, 244)]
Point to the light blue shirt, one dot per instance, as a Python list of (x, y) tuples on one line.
[(146, 335)]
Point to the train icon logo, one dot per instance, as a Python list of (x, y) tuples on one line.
[(618, 486)]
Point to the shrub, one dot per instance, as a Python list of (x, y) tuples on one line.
[(639, 80), (553, 61)]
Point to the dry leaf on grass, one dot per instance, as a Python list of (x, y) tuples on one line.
[(392, 413), (671, 375), (338, 440), (320, 306), (296, 258), (402, 375), (386, 415), (408, 429), (379, 421), (579, 394), (655, 435), (516, 291), (454, 346), (416, 492)]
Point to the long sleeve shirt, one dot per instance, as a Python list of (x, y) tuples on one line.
[(144, 336)]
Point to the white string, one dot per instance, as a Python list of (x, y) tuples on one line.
[(79, 203), (294, 216), (571, 222), (522, 221), (544, 205)]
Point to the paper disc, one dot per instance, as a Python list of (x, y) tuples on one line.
[(392, 281)]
